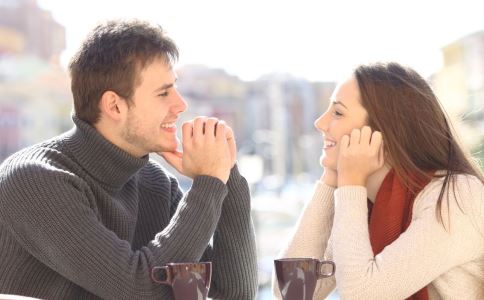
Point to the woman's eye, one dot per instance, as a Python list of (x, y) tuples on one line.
[(337, 113)]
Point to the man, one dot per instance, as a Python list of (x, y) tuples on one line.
[(87, 215)]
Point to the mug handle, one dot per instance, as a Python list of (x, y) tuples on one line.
[(168, 275), (320, 265)]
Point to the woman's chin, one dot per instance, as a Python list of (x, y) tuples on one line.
[(325, 162)]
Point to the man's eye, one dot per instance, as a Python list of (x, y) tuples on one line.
[(164, 94)]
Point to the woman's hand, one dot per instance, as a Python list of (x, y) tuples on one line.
[(360, 155)]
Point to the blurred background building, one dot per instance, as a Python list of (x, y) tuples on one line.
[(460, 87), (34, 89), (272, 116)]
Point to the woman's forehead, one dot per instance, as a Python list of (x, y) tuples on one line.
[(347, 92)]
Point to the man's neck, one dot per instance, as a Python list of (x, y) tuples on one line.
[(111, 134)]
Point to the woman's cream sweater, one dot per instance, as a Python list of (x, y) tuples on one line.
[(450, 260)]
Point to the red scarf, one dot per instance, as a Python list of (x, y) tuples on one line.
[(391, 215)]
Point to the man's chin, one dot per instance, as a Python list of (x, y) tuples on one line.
[(166, 148)]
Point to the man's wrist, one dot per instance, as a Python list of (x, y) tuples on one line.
[(234, 174)]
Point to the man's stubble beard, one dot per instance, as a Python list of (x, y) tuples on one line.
[(132, 135)]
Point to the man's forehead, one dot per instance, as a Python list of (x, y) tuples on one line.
[(158, 68)]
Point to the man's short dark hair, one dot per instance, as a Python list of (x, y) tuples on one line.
[(111, 59)]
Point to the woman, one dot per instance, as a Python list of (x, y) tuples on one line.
[(399, 207)]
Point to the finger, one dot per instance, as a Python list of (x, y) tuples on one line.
[(177, 153), (355, 137), (187, 133), (221, 131), (233, 150), (198, 127), (232, 147), (344, 143), (365, 135), (229, 133), (210, 125), (376, 140), (381, 155), (229, 136), (174, 159)]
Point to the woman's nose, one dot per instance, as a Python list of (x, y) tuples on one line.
[(320, 123)]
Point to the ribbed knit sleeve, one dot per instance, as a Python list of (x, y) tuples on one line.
[(233, 255), (194, 222), (310, 236), (55, 217)]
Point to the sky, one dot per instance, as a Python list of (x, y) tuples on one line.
[(317, 40)]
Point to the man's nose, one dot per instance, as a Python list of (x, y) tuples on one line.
[(180, 104)]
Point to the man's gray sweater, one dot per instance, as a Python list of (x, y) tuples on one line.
[(82, 219)]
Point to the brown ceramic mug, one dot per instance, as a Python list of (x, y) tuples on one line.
[(297, 276), (189, 281)]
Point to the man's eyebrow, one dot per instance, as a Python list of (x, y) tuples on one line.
[(339, 102), (166, 86)]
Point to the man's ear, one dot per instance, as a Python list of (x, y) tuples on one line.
[(112, 106)]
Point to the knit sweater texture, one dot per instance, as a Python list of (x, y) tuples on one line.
[(82, 219), (448, 259)]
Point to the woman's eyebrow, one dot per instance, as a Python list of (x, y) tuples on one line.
[(339, 102)]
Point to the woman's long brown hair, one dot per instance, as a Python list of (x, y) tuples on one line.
[(417, 134)]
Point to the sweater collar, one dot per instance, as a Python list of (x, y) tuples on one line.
[(106, 162)]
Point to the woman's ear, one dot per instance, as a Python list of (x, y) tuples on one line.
[(112, 106)]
